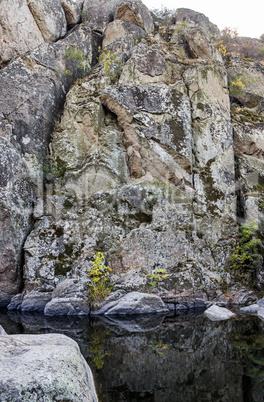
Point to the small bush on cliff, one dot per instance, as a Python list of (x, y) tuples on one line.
[(236, 87), (157, 276), (100, 286), (112, 65), (247, 257), (76, 60)]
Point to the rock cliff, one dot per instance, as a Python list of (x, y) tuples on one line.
[(127, 137)]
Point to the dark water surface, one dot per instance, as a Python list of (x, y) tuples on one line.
[(163, 359)]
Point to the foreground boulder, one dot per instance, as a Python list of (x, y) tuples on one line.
[(2, 331), (216, 313), (134, 303), (44, 367)]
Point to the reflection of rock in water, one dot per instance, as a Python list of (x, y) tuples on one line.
[(187, 358), (198, 364), (143, 323)]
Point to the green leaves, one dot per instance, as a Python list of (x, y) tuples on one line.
[(247, 257), (77, 62), (112, 65), (157, 276), (99, 275)]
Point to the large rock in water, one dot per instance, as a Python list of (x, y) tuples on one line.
[(43, 367), (216, 313), (134, 303)]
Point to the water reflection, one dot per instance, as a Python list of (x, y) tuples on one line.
[(163, 359)]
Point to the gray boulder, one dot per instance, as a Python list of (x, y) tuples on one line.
[(68, 298), (35, 302), (193, 19), (19, 32), (260, 313), (100, 13), (15, 303), (253, 309), (44, 367), (67, 306), (136, 13), (216, 313), (261, 302), (50, 18), (73, 10), (134, 303)]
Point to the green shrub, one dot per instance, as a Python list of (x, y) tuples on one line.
[(157, 276), (111, 63), (236, 87), (76, 60), (245, 261), (100, 286)]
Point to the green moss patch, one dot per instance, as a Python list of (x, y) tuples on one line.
[(247, 116)]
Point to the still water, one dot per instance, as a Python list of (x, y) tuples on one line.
[(163, 359)]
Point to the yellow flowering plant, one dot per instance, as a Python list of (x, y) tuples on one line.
[(100, 286)]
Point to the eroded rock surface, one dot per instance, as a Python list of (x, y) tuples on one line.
[(33, 90), (73, 11), (44, 367), (19, 31), (50, 18)]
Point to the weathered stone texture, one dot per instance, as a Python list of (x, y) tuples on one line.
[(100, 13), (44, 367), (142, 161), (50, 18), (32, 96), (18, 30), (73, 11)]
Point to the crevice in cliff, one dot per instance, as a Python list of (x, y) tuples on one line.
[(22, 255), (240, 208)]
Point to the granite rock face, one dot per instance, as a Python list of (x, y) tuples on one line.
[(100, 13), (149, 157), (19, 31), (73, 11), (39, 367), (33, 90), (50, 18)]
